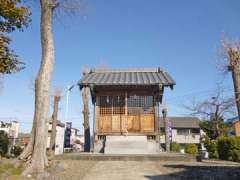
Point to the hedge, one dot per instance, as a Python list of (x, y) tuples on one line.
[(3, 143), (211, 146), (175, 147), (16, 151), (229, 148), (191, 149)]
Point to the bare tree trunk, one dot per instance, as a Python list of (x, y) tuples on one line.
[(46, 141), (85, 95), (42, 92), (236, 83), (28, 150), (233, 51), (54, 123), (165, 120)]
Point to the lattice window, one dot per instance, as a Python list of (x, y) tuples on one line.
[(111, 105), (105, 104), (118, 104), (140, 104)]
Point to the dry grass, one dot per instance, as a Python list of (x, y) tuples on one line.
[(8, 171)]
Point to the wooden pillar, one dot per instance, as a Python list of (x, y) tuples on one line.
[(96, 115), (156, 116), (125, 120), (85, 98), (94, 124), (165, 120), (159, 127), (157, 119), (111, 110)]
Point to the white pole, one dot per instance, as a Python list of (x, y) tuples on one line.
[(69, 88), (67, 99)]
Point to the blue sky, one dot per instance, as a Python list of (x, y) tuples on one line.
[(181, 37)]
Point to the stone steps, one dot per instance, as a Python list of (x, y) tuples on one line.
[(127, 157)]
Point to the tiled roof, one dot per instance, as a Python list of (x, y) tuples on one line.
[(140, 76), (182, 122), (232, 120)]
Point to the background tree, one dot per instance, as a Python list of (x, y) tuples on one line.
[(4, 142), (231, 52), (13, 16), (35, 152), (213, 111), (208, 127), (57, 98)]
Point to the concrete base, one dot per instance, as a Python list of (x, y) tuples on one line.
[(153, 147), (126, 145), (99, 146)]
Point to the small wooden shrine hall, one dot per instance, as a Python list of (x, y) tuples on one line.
[(126, 102)]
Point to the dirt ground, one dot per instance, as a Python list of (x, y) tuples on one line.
[(137, 170)]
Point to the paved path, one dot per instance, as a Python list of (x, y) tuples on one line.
[(122, 170), (146, 170)]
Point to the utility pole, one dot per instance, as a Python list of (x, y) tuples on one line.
[(166, 123), (67, 124)]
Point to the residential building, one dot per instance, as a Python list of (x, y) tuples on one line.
[(23, 139), (59, 141), (235, 126), (78, 145), (183, 130), (74, 136), (12, 128)]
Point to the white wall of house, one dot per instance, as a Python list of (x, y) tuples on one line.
[(182, 138), (12, 129), (74, 136), (59, 139), (5, 129)]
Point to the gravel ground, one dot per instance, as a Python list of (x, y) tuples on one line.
[(146, 170)]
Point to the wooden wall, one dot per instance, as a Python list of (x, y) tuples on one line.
[(120, 117)]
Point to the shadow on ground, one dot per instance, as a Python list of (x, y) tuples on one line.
[(205, 172)]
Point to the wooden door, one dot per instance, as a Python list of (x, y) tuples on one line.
[(111, 112), (116, 123), (133, 123), (147, 123), (140, 113), (105, 124)]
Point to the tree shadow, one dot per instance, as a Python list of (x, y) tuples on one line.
[(199, 172)]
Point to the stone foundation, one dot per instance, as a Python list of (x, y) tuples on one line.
[(126, 145)]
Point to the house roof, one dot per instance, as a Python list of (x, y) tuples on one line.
[(182, 122), (59, 123), (232, 120), (140, 76), (75, 129)]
